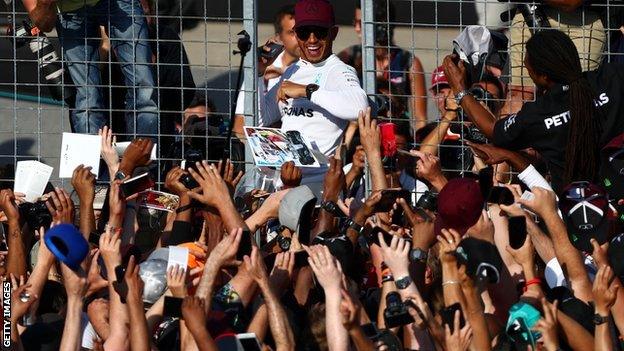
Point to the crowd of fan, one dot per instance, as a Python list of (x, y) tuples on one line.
[(477, 255)]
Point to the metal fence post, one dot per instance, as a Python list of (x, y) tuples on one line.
[(368, 59), (250, 24)]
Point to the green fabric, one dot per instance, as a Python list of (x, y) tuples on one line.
[(73, 5)]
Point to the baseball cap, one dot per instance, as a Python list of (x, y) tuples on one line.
[(481, 258), (616, 255), (522, 318), (438, 77), (314, 13), (67, 244), (295, 211), (459, 205), (153, 272), (585, 207), (612, 167)]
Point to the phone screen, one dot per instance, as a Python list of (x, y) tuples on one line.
[(136, 184), (244, 248), (172, 307), (517, 231), (501, 195), (249, 342), (94, 238), (301, 259), (389, 197), (373, 238), (448, 316)]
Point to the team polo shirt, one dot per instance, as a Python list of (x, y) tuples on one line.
[(543, 124)]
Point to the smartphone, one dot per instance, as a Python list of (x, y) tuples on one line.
[(371, 331), (120, 285), (501, 195), (94, 238), (373, 238), (244, 248), (301, 259), (389, 197), (448, 316), (274, 50), (517, 231), (249, 341), (137, 184), (173, 307)]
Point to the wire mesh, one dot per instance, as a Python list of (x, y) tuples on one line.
[(192, 46)]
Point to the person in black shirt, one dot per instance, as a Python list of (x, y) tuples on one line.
[(573, 116)]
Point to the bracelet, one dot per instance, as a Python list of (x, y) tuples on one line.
[(533, 281), (184, 208), (450, 282), (114, 230), (387, 278)]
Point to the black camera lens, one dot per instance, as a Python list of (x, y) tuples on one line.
[(393, 300)]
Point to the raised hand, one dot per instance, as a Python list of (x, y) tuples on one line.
[(213, 188), (8, 205), (350, 311), (109, 154), (459, 339), (136, 155), (547, 326), (61, 206), (449, 241), (334, 180), (110, 244), (455, 73), (176, 281), (524, 255), (21, 300), (255, 266), (326, 268), (370, 137), (283, 267), (290, 175), (83, 182), (134, 282), (396, 255), (543, 202), (172, 181), (229, 177), (604, 292), (224, 254)]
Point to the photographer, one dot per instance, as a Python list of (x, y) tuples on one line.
[(573, 116)]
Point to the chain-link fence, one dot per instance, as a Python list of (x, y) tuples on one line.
[(405, 41), (194, 70)]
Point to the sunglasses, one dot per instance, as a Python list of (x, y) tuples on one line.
[(320, 33)]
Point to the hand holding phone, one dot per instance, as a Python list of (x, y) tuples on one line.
[(172, 307), (136, 184), (373, 236), (448, 316), (389, 197), (517, 231), (244, 248)]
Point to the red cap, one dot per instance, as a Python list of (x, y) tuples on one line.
[(314, 13), (460, 203), (438, 77)]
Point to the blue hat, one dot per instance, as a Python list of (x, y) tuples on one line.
[(67, 244)]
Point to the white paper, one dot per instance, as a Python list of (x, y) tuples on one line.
[(178, 256), (77, 149), (31, 178), (122, 146)]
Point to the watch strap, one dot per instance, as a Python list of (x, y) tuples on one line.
[(403, 282), (310, 88), (358, 228), (461, 95)]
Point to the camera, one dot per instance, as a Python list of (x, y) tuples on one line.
[(396, 313), (50, 66), (190, 158), (428, 201), (35, 214)]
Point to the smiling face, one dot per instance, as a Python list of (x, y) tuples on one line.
[(315, 42)]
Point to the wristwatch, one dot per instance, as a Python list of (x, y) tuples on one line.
[(598, 319), (310, 88), (418, 255), (358, 228), (403, 282), (461, 95), (332, 208), (119, 175)]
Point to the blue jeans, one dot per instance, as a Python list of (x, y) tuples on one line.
[(79, 35)]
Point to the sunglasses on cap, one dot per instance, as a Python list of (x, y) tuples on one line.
[(303, 33)]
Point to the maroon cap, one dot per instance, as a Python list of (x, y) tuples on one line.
[(459, 205), (314, 13), (438, 77)]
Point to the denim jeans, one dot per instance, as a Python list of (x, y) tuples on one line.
[(79, 35)]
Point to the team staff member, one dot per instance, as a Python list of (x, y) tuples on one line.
[(285, 34), (573, 116), (319, 94)]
